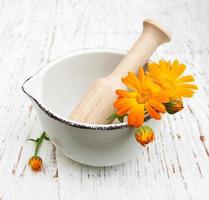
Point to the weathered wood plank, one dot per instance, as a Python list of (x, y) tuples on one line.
[(34, 32)]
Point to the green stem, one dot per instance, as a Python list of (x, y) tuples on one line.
[(39, 142)]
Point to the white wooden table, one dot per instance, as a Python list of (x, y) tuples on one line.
[(32, 32)]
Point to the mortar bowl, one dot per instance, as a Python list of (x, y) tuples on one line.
[(54, 92)]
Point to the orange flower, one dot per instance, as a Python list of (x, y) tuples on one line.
[(144, 95), (169, 77), (144, 135), (35, 163)]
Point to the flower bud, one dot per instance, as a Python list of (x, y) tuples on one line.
[(174, 106), (35, 163), (144, 135)]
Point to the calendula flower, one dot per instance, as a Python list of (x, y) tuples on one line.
[(174, 106), (35, 163), (144, 135), (144, 95), (169, 77)]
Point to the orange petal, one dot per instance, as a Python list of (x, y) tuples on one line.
[(157, 105), (182, 92), (164, 67), (124, 110), (141, 74), (185, 79), (150, 85), (154, 70), (119, 103), (177, 69), (124, 93), (140, 115), (136, 116), (132, 81), (189, 86), (152, 112), (161, 97), (174, 67)]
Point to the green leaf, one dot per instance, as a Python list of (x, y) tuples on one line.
[(115, 116), (33, 140), (46, 137)]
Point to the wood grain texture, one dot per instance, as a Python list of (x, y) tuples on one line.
[(32, 33)]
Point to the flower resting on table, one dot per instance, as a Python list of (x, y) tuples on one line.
[(144, 95), (35, 162), (169, 76)]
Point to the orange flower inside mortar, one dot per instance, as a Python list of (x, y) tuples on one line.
[(159, 90), (145, 94)]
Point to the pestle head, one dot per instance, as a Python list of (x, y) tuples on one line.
[(158, 29)]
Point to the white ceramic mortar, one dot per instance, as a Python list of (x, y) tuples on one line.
[(54, 91)]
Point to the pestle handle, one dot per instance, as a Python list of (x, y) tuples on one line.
[(153, 35), (97, 104)]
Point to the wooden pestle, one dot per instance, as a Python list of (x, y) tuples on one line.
[(97, 104)]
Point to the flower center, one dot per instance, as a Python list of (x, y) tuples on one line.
[(143, 97)]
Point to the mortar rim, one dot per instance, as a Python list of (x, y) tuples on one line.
[(65, 120)]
